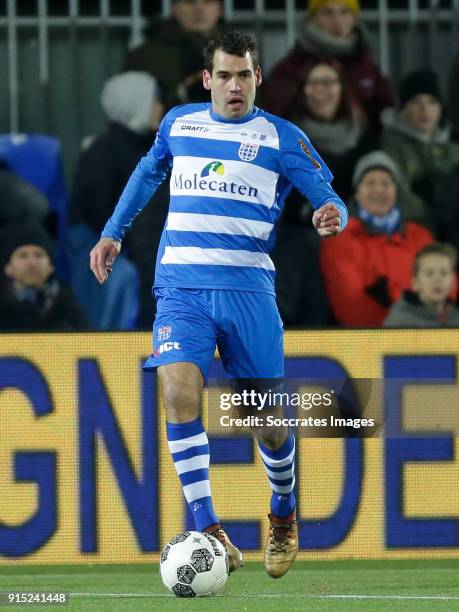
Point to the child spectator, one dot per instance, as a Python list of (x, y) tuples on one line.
[(31, 297), (335, 123), (417, 138), (368, 266), (428, 305), (332, 29)]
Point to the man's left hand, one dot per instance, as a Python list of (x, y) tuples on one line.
[(327, 220)]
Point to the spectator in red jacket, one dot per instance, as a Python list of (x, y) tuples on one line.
[(367, 267), (331, 29)]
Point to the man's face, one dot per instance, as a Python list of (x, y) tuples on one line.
[(434, 279), (232, 84), (197, 15), (423, 113), (30, 265), (376, 193), (335, 18)]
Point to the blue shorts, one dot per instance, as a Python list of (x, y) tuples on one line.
[(244, 325)]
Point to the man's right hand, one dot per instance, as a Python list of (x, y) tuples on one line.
[(103, 256)]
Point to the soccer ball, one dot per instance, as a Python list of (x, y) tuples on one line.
[(194, 564)]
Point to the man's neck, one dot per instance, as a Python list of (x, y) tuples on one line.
[(240, 119)]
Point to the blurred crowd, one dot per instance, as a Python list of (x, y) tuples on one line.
[(393, 151)]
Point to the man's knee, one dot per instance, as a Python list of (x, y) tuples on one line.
[(181, 389), (180, 395)]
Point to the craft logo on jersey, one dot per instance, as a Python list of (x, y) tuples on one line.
[(215, 167), (247, 151), (164, 333)]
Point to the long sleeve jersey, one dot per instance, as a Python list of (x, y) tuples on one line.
[(228, 183)]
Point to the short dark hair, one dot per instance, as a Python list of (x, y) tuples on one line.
[(233, 43), (437, 248)]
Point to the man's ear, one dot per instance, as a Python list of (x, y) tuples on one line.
[(206, 79), (7, 270), (258, 76)]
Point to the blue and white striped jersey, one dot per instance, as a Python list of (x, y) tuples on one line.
[(229, 180)]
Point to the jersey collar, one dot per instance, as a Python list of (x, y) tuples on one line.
[(243, 119)]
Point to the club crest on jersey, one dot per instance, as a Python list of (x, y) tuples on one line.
[(306, 150), (164, 333), (247, 151)]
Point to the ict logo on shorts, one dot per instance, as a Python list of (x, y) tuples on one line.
[(165, 347), (164, 333)]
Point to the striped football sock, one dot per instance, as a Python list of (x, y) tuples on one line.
[(189, 448), (280, 468)]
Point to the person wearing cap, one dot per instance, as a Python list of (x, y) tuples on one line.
[(366, 268), (172, 51), (133, 106), (417, 137), (31, 297), (332, 29)]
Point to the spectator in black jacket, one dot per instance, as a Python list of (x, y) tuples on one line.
[(133, 109), (132, 104), (31, 297)]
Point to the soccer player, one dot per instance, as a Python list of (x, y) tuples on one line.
[(232, 165)]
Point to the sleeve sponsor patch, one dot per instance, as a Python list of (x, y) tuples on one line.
[(308, 153)]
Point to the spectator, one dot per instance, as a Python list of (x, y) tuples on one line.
[(453, 97), (19, 199), (367, 267), (173, 49), (300, 290), (447, 209), (131, 103), (31, 297), (325, 109), (332, 29), (418, 139), (428, 305)]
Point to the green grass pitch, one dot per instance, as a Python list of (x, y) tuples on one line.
[(323, 585)]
